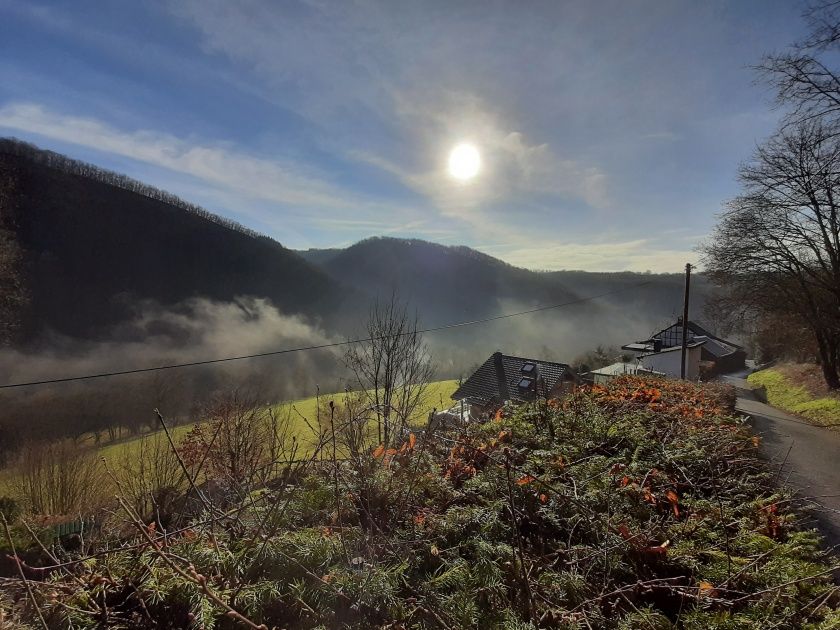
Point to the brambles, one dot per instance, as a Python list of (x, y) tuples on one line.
[(638, 513)]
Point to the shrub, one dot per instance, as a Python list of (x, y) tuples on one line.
[(639, 504)]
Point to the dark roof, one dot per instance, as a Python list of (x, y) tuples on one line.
[(694, 343), (672, 336), (498, 380)]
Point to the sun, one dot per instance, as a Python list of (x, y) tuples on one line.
[(464, 161)]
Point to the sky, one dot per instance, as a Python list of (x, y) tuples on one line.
[(610, 132)]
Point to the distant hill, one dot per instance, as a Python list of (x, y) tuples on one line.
[(81, 249), (90, 244), (448, 283), (444, 283)]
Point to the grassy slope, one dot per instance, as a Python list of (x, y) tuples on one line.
[(439, 396), (786, 394)]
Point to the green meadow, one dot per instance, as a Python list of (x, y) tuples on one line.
[(303, 413)]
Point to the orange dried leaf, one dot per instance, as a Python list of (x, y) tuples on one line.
[(377, 452), (522, 481), (411, 440), (674, 500)]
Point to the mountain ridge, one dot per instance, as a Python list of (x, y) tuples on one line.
[(91, 248)]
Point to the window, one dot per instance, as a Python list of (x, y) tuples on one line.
[(528, 368), (526, 383)]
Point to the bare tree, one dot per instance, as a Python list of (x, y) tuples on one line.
[(149, 473), (57, 479), (392, 369), (243, 442), (776, 249), (802, 78)]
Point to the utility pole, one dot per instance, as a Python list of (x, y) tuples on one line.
[(685, 320)]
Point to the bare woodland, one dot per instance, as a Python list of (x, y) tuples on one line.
[(776, 249)]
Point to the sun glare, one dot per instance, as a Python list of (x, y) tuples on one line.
[(464, 161)]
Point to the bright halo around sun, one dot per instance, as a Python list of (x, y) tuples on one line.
[(464, 161)]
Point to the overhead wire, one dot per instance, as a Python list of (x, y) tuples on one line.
[(334, 344)]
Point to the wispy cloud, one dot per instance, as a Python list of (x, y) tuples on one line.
[(588, 132), (271, 180), (634, 255)]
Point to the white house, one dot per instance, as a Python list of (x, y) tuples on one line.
[(667, 360), (605, 374)]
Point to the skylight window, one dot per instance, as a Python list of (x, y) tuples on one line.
[(528, 368), (526, 383)]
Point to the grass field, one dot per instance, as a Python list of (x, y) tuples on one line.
[(438, 396), (785, 393)]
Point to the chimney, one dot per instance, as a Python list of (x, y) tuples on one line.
[(657, 345), (499, 367)]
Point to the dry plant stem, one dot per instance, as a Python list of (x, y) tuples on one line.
[(103, 610), (335, 481), (193, 577), (523, 570), (198, 492), (725, 527), (22, 574), (788, 583), (186, 472)]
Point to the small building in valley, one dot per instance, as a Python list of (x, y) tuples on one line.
[(666, 361), (503, 378), (706, 352), (604, 375)]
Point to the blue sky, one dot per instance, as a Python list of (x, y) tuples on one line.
[(610, 132)]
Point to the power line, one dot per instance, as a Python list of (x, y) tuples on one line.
[(175, 366)]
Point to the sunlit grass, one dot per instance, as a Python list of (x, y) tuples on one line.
[(784, 394), (304, 414)]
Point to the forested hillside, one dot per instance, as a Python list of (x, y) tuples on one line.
[(99, 272), (448, 282), (445, 283), (92, 243)]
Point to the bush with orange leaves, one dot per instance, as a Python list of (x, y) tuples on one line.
[(640, 504), (668, 397)]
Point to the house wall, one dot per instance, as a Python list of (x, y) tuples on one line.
[(669, 363), (602, 379)]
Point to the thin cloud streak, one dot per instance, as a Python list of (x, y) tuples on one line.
[(636, 255), (269, 180)]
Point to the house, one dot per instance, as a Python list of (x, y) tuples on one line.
[(503, 378), (667, 360), (720, 355), (607, 373)]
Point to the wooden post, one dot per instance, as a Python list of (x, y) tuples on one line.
[(685, 321)]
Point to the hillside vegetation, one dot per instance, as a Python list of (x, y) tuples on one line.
[(302, 412), (100, 273), (792, 389), (94, 243), (642, 504), (451, 282)]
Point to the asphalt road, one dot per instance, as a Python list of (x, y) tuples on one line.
[(807, 457)]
